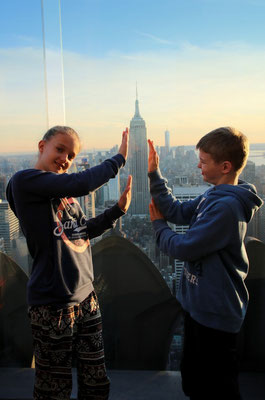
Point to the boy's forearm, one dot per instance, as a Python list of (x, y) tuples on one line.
[(169, 206), (167, 240), (158, 188), (211, 233)]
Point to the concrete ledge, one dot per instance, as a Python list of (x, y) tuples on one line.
[(17, 384)]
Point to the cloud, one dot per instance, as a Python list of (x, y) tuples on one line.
[(189, 91), (154, 38), (26, 39)]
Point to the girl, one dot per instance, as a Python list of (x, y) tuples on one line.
[(63, 306)]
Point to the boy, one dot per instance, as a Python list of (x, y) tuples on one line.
[(212, 290), (63, 306)]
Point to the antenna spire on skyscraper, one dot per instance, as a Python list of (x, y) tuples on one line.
[(137, 112)]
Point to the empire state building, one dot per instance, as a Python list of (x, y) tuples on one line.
[(138, 164)]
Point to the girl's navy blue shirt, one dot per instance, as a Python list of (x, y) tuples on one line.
[(57, 231)]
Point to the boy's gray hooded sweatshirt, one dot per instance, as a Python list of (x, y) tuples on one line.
[(212, 287)]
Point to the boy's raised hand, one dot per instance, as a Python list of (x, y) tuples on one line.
[(125, 199), (123, 150), (154, 211), (153, 158)]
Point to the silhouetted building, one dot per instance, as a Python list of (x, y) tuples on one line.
[(111, 189), (182, 180), (114, 188), (179, 151), (87, 204), (9, 226), (138, 164), (253, 227), (2, 245), (249, 172), (167, 140), (2, 187)]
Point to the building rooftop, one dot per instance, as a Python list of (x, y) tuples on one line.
[(192, 190)]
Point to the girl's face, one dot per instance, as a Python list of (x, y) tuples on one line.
[(57, 153)]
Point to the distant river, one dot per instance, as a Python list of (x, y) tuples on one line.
[(257, 155)]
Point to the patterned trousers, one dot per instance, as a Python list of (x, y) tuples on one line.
[(58, 337)]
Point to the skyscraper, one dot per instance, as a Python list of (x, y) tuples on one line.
[(9, 226), (138, 164), (113, 186), (2, 187), (167, 140), (86, 202)]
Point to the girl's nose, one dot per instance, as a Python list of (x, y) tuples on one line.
[(63, 157)]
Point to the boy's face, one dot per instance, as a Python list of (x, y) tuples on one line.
[(212, 171), (58, 153)]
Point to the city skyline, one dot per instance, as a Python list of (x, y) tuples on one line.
[(193, 75)]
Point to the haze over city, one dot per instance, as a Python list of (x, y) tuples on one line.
[(198, 64)]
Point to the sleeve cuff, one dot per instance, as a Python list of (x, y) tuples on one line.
[(120, 160), (159, 223), (115, 212), (155, 174)]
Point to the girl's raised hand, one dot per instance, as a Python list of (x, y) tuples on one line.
[(125, 199)]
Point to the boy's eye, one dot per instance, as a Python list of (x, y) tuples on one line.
[(59, 149)]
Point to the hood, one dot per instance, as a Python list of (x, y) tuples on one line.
[(244, 192)]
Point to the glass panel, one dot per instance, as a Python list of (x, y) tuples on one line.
[(22, 107)]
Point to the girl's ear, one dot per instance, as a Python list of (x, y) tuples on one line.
[(41, 145)]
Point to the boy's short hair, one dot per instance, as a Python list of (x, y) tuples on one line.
[(226, 144)]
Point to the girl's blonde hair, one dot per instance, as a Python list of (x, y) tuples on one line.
[(60, 129)]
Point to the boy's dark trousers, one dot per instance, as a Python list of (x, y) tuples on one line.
[(209, 367)]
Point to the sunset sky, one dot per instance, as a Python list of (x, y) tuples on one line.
[(198, 64)]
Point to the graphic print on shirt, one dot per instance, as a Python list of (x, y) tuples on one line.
[(193, 278), (71, 224)]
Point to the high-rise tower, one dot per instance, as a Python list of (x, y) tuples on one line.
[(138, 164), (9, 226), (167, 140)]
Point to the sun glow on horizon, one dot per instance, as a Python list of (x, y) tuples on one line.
[(186, 84)]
